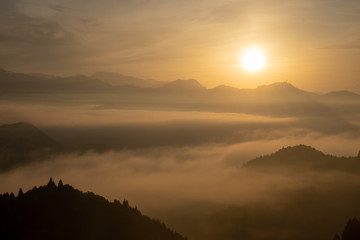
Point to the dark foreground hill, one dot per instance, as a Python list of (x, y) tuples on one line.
[(303, 158), (62, 212), (351, 231)]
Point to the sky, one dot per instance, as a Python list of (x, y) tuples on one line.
[(311, 44)]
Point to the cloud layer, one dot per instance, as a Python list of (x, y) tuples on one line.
[(186, 167)]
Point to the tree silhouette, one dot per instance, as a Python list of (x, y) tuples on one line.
[(62, 212), (352, 230), (20, 193), (336, 237), (51, 183), (60, 184)]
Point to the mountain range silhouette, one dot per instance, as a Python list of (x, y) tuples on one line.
[(110, 90), (106, 82), (116, 79)]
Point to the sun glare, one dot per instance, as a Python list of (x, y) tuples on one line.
[(253, 59)]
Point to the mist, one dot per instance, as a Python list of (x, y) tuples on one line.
[(186, 168), (200, 184)]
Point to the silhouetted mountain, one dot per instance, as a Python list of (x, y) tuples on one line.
[(341, 96), (223, 89), (24, 83), (284, 90), (81, 83), (105, 82), (62, 212), (180, 85), (22, 143), (303, 157), (279, 87), (116, 79), (42, 75)]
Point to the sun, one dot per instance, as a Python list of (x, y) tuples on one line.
[(253, 59)]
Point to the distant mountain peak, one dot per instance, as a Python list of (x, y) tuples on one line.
[(292, 156), (301, 148), (184, 84), (285, 90), (278, 86)]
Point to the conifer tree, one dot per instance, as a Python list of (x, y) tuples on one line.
[(20, 193), (60, 184), (51, 183)]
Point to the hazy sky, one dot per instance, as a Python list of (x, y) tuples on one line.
[(312, 44)]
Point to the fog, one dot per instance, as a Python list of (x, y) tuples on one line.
[(89, 126), (200, 190), (185, 168)]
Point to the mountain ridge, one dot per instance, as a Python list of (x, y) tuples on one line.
[(276, 100), (108, 79)]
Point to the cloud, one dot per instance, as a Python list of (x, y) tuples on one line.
[(53, 37), (32, 42), (186, 168), (57, 7), (17, 29), (89, 126), (205, 186)]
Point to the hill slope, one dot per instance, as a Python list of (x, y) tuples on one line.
[(62, 212), (21, 143), (302, 157)]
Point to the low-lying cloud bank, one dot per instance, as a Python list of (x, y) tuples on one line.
[(179, 184), (88, 126), (186, 168)]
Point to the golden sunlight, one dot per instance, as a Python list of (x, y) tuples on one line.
[(253, 59)]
